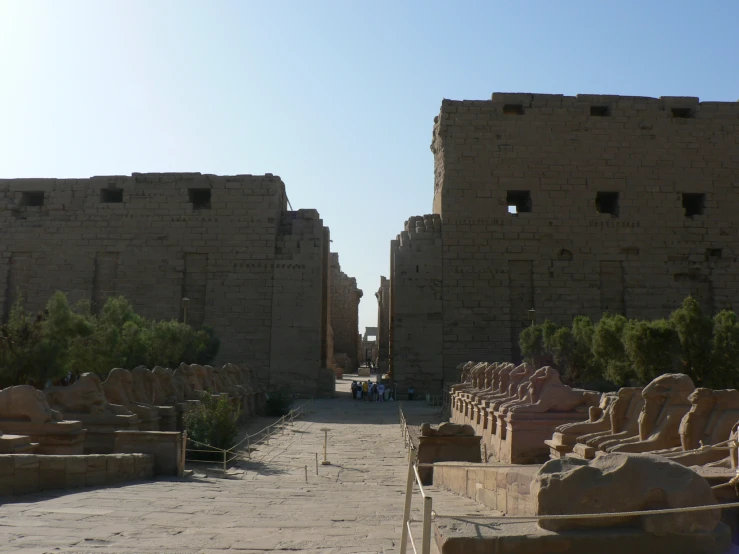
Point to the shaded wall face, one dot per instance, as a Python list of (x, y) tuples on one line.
[(147, 238), (344, 312), (298, 307), (625, 205), (383, 324), (416, 339), (251, 270)]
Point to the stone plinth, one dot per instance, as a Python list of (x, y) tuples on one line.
[(17, 444), (499, 487), (498, 536), (522, 436), (446, 449), (167, 418), (583, 451), (55, 437), (100, 430), (363, 372), (165, 447), (26, 473)]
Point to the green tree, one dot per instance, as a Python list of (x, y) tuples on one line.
[(608, 349), (724, 351), (695, 330), (653, 348)]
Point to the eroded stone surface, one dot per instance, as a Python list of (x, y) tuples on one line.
[(353, 506)]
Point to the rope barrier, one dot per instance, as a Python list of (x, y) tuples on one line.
[(663, 511), (299, 411)]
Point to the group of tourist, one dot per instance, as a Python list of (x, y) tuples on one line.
[(370, 392)]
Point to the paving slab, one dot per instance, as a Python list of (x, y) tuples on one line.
[(263, 503)]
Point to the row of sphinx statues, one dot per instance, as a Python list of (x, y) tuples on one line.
[(527, 415), (83, 417)]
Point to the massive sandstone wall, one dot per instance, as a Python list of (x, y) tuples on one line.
[(344, 312), (626, 204), (251, 269), (383, 324), (416, 291)]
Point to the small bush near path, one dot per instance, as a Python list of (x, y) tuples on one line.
[(213, 422), (278, 403)]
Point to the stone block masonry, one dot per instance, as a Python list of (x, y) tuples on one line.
[(569, 205), (253, 270), (416, 305), (383, 324), (345, 297), (27, 473)]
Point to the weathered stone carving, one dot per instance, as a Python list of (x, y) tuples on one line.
[(25, 412), (117, 389), (624, 422), (166, 393), (546, 393), (665, 404), (623, 483), (143, 392), (85, 401), (26, 403), (447, 430), (599, 423)]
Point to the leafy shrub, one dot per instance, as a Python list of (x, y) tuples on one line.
[(67, 339), (213, 422), (278, 403), (617, 352), (653, 348), (695, 331)]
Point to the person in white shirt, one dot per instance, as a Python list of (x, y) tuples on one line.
[(381, 392)]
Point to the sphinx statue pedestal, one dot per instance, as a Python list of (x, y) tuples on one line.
[(582, 451), (522, 436), (54, 437), (17, 444), (565, 436), (101, 428)]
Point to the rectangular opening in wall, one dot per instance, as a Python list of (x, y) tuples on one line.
[(518, 201), (111, 196), (713, 253), (600, 111), (199, 198), (682, 113), (693, 203), (513, 109), (35, 198), (607, 203)]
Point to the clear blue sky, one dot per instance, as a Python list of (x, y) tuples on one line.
[(336, 97)]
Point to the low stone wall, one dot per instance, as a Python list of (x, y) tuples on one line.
[(26, 473), (165, 447), (505, 487)]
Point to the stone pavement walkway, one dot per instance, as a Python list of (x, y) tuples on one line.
[(354, 505)]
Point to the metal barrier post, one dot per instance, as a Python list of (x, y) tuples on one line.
[(224, 460), (183, 454), (325, 461), (426, 537), (306, 474), (407, 509)]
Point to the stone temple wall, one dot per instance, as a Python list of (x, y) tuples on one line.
[(624, 204), (254, 271), (383, 324), (344, 313), (416, 346)]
